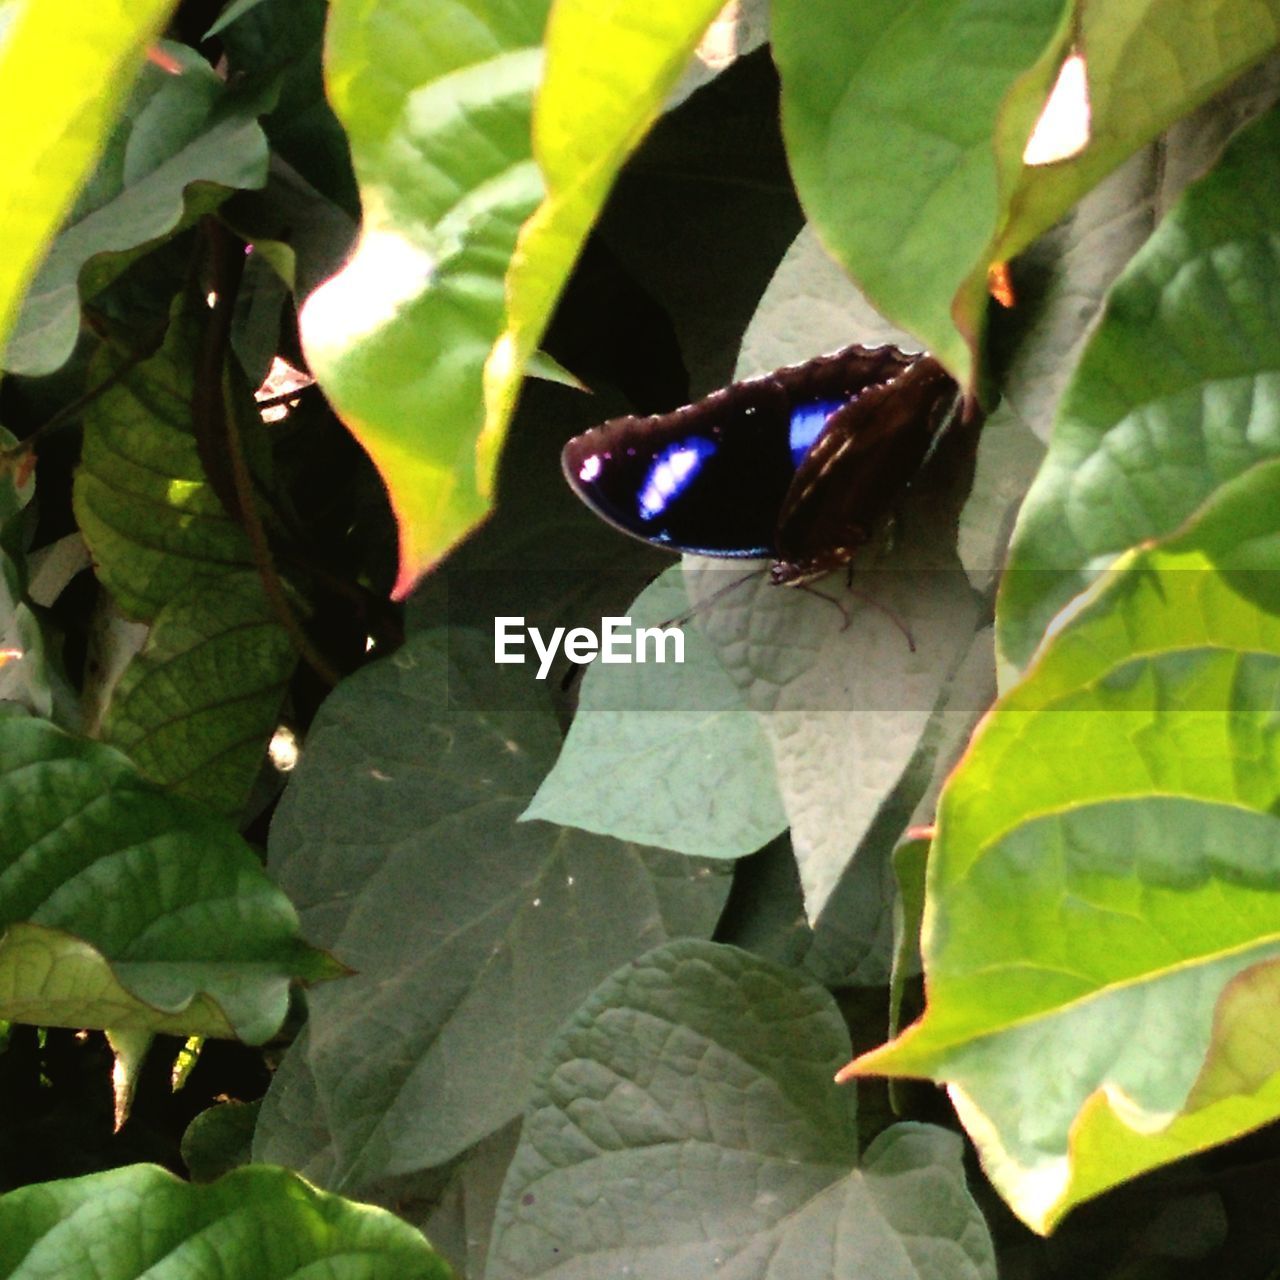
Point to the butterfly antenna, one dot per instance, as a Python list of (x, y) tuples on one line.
[(893, 616), (717, 595), (810, 590)]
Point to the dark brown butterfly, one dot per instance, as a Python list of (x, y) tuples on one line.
[(800, 465)]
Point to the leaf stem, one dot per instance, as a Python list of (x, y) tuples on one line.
[(215, 421)]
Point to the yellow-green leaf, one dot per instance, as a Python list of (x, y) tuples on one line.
[(64, 72)]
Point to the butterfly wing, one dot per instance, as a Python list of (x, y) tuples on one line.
[(712, 478), (858, 468), (708, 478)]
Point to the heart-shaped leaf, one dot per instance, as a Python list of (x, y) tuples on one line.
[(685, 1124), (473, 935), (665, 753)]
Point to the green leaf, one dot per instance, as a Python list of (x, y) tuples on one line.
[(1175, 395), (219, 1139), (846, 708), (127, 908), (142, 1221), (151, 518), (889, 111), (440, 140), (426, 369), (64, 72), (1104, 874), (129, 1047), (236, 9), (1149, 64), (185, 142), (907, 128), (910, 862), (689, 1103), (610, 66), (282, 43), (473, 935), (665, 753), (195, 707)]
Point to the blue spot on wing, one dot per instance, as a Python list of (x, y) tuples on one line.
[(671, 473), (807, 421)]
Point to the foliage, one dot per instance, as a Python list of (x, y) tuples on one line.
[(560, 970)]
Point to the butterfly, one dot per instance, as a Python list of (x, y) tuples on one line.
[(800, 466)]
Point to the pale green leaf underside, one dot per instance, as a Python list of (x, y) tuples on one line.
[(665, 754)]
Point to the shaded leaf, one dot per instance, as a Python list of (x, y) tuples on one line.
[(230, 13), (302, 233), (473, 935), (848, 711), (461, 1223), (282, 42), (219, 1139), (689, 1102), (811, 307), (844, 700)]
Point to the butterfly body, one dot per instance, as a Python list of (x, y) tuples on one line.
[(800, 465)]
